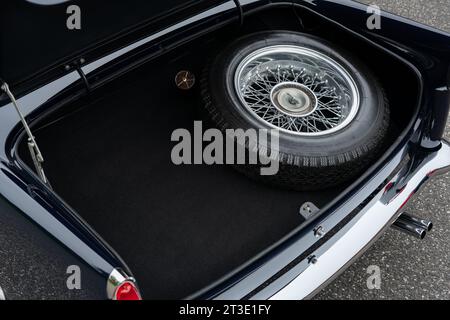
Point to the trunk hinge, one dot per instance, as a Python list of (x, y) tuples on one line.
[(84, 78), (241, 12), (77, 65), (35, 152)]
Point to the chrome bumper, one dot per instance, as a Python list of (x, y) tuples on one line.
[(352, 240)]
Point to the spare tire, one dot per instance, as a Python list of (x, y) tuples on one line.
[(331, 112)]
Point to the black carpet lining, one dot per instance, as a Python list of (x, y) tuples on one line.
[(179, 228)]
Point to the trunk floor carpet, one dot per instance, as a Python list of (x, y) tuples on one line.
[(179, 228)]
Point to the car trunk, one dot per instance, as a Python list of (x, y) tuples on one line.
[(178, 228)]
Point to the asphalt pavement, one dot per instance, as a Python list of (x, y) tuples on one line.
[(409, 268)]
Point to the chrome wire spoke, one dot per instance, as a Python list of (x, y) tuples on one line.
[(297, 90)]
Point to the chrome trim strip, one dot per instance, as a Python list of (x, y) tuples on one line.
[(2, 294), (365, 227)]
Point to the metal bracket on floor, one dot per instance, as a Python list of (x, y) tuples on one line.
[(308, 209)]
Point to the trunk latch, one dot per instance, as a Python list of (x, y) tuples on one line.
[(35, 153)]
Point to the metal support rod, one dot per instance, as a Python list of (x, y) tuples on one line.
[(35, 152)]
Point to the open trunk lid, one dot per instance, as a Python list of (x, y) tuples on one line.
[(42, 39)]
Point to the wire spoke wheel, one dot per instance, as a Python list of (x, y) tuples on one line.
[(330, 110), (297, 90)]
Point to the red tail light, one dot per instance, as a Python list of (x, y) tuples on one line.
[(127, 291), (121, 286)]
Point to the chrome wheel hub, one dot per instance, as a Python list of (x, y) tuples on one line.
[(297, 90), (293, 99)]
